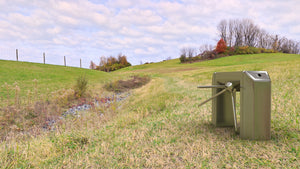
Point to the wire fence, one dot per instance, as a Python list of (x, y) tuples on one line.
[(17, 55)]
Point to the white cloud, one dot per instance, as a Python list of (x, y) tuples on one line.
[(121, 4), (143, 51), (54, 30), (295, 30), (125, 31), (137, 17)]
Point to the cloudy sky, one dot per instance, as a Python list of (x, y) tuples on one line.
[(143, 30)]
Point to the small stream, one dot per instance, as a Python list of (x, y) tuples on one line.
[(75, 111)]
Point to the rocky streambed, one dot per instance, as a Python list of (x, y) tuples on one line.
[(77, 110)]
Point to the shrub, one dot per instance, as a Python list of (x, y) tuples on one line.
[(270, 51), (81, 86), (112, 63), (209, 54), (240, 50), (221, 55), (182, 58), (254, 50), (261, 50), (196, 58), (231, 51)]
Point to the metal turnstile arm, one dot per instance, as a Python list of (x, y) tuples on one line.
[(216, 95), (227, 87), (234, 110)]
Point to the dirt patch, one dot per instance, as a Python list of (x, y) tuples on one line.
[(175, 70), (125, 85), (182, 70), (167, 70)]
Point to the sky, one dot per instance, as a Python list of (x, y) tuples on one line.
[(143, 30)]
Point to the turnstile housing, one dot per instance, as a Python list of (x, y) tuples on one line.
[(255, 103)]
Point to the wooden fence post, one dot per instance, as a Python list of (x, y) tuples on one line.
[(80, 62), (65, 60), (17, 55), (44, 57)]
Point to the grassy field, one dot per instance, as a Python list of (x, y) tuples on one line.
[(160, 124), (52, 77)]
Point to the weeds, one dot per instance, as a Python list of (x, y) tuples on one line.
[(31, 113), (81, 86), (25, 114), (63, 96)]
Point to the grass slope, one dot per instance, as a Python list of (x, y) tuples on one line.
[(50, 77), (161, 126)]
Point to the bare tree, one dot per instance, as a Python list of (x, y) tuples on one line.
[(230, 33), (262, 39), (250, 32), (285, 45), (238, 33), (186, 54), (183, 52), (222, 28), (244, 32), (103, 61), (204, 48), (190, 52), (288, 46), (275, 45), (295, 47)]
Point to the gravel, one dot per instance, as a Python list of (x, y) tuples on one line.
[(74, 111)]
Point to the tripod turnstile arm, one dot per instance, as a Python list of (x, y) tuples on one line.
[(234, 111), (212, 86), (224, 90), (227, 87)]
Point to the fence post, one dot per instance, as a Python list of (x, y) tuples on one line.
[(80, 62), (44, 57), (17, 55), (65, 60)]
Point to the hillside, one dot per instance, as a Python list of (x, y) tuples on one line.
[(160, 124), (48, 76)]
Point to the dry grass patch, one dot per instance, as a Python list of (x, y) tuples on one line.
[(125, 85)]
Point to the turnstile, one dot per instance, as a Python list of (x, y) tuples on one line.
[(255, 102)]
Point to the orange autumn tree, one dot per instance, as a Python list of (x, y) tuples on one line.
[(221, 46)]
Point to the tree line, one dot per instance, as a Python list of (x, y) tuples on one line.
[(236, 32), (241, 36), (111, 63)]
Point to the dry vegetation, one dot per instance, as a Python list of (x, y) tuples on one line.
[(161, 126), (27, 116), (125, 85)]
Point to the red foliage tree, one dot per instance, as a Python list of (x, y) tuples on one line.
[(221, 46)]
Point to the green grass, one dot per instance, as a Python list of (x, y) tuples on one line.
[(47, 76), (161, 126)]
